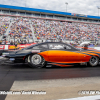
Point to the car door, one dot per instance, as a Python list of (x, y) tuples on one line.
[(61, 53)]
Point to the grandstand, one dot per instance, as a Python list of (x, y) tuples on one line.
[(21, 23)]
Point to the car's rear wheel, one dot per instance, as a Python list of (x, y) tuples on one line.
[(37, 61), (93, 61)]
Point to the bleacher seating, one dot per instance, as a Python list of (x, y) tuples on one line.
[(43, 29)]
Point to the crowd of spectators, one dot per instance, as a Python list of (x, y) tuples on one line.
[(47, 29), (4, 23), (20, 29)]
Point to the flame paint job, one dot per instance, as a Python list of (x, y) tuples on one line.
[(60, 56)]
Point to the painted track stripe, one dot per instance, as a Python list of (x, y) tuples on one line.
[(96, 97)]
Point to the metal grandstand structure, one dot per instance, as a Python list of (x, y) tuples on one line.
[(16, 11), (42, 13)]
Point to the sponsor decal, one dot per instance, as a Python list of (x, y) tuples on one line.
[(79, 15), (35, 51), (4, 54), (11, 47), (12, 59), (2, 46)]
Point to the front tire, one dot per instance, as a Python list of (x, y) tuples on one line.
[(93, 61), (37, 61)]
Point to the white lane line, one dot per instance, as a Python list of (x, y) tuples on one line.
[(96, 97)]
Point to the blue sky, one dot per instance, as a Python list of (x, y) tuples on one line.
[(87, 7)]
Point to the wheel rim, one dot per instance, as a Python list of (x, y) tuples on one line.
[(36, 59), (94, 61)]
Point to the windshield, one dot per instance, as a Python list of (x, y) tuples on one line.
[(73, 47)]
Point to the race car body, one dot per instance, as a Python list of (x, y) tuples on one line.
[(56, 53)]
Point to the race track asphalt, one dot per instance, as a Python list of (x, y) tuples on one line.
[(11, 73)]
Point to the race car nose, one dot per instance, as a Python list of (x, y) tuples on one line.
[(8, 54), (2, 59)]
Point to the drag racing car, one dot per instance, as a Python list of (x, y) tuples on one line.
[(54, 53)]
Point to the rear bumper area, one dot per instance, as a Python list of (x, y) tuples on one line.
[(3, 58)]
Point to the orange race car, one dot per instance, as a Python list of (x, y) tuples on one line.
[(56, 53)]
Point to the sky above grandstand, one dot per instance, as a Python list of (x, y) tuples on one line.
[(87, 7)]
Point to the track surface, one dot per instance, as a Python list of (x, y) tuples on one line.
[(11, 73)]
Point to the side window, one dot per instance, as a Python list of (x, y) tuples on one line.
[(56, 46), (44, 46), (67, 47), (59, 46)]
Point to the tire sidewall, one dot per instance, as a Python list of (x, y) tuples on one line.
[(93, 64), (40, 65)]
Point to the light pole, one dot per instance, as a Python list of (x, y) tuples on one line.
[(66, 5), (98, 10), (25, 3)]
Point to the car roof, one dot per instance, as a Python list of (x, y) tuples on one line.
[(51, 42)]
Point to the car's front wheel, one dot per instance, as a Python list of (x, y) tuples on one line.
[(37, 61), (93, 61)]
